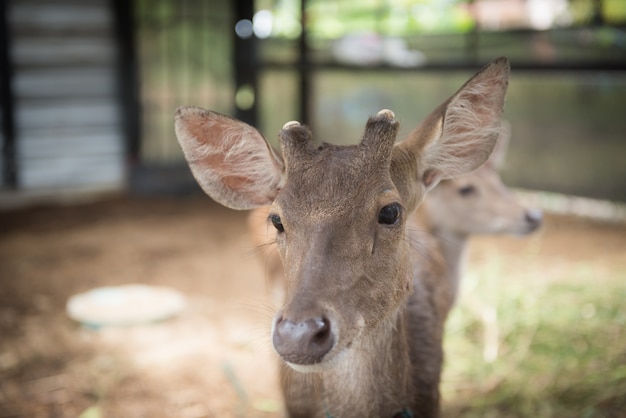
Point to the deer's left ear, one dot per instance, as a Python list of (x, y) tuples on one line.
[(496, 160), (460, 134), (231, 160)]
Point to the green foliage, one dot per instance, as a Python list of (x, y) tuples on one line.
[(330, 19), (561, 343)]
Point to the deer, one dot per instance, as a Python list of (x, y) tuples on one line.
[(360, 331), (476, 203)]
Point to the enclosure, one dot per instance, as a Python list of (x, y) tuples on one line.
[(95, 193), (556, 298)]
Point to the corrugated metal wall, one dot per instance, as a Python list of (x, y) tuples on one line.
[(68, 130)]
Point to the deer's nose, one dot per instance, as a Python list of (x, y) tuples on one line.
[(533, 218), (305, 342)]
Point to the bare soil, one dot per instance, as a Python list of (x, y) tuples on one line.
[(214, 360)]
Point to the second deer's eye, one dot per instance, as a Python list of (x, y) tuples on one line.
[(277, 223), (389, 214), (467, 190)]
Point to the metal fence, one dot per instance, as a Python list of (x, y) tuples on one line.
[(184, 54), (565, 106)]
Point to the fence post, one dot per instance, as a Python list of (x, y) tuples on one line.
[(9, 175), (245, 62)]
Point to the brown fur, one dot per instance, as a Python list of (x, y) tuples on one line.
[(487, 206), (382, 305)]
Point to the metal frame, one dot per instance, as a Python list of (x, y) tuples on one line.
[(245, 61), (127, 75), (306, 68), (9, 175)]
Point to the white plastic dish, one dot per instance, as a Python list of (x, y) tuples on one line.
[(125, 305)]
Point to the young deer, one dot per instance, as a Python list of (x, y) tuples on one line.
[(476, 203), (360, 332)]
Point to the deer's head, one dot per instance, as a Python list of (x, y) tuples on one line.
[(479, 202), (340, 211)]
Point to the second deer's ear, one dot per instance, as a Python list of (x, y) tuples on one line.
[(496, 160), (460, 134), (231, 160)]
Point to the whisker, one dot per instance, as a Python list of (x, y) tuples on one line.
[(422, 242), (259, 327)]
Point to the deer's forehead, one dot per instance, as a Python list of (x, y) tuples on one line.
[(337, 162), (336, 180), (323, 197)]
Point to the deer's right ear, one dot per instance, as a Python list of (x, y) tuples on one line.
[(460, 134), (231, 160)]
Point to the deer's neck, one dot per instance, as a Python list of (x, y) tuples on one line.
[(373, 377), (450, 245), (453, 248)]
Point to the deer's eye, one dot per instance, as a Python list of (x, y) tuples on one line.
[(467, 190), (277, 223), (389, 215)]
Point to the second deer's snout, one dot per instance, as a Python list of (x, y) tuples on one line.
[(303, 342), (533, 218)]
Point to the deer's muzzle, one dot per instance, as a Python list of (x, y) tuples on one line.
[(303, 342)]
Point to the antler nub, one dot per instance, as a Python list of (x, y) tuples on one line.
[(295, 141), (291, 124), (380, 135), (387, 114)]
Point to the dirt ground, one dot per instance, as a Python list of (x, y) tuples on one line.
[(214, 360)]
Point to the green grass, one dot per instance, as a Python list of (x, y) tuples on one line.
[(561, 343)]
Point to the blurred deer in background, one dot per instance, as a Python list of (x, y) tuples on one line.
[(476, 203), (360, 331)]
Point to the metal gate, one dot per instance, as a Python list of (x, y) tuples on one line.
[(184, 54)]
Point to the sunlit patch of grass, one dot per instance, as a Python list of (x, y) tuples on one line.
[(520, 346)]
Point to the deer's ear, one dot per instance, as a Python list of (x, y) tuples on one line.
[(231, 160), (461, 133), (496, 160)]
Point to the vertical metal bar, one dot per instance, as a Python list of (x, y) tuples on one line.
[(305, 69), (597, 17), (166, 19), (472, 40), (245, 62), (128, 82), (10, 178), (185, 71)]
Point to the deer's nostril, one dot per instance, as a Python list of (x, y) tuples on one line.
[(323, 332), (304, 342)]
